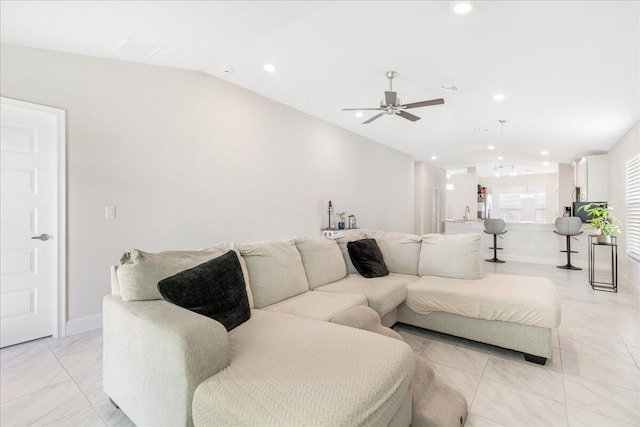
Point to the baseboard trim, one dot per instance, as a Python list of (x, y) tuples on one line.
[(84, 324)]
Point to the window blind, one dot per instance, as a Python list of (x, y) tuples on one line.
[(632, 226)]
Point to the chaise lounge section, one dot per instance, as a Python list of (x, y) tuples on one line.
[(165, 365)]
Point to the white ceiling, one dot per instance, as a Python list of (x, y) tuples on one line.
[(570, 69)]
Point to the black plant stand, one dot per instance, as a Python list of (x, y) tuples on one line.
[(603, 286)]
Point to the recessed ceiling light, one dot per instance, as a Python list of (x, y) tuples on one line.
[(462, 7), (482, 129), (359, 114), (544, 152), (500, 157), (499, 97), (433, 157), (449, 88), (226, 69), (491, 147), (269, 68), (545, 163)]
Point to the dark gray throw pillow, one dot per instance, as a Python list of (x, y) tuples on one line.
[(214, 289), (367, 258)]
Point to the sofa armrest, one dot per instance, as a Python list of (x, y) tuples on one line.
[(155, 355)]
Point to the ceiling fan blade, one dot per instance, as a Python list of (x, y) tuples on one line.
[(390, 98), (362, 109), (377, 116), (408, 116), (424, 103)]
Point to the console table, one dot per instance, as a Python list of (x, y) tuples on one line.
[(603, 286)]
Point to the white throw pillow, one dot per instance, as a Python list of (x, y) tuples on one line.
[(322, 260), (275, 271), (401, 251), (455, 256), (344, 237), (139, 272)]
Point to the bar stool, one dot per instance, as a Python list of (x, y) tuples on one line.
[(568, 226), (495, 227)]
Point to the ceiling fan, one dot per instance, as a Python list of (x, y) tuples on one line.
[(393, 105)]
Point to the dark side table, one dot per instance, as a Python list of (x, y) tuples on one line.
[(603, 286)]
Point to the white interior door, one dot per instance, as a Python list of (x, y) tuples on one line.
[(29, 250)]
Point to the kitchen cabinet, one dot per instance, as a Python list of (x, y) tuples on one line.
[(591, 176)]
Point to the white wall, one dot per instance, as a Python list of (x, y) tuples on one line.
[(427, 179), (190, 160), (566, 185), (464, 193), (619, 154)]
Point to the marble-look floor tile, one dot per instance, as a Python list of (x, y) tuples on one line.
[(603, 399), (82, 360), (464, 382), (111, 416), (582, 418), (455, 356), (44, 406), (85, 418), (29, 373), (606, 351), (91, 385), (74, 343), (416, 342), (635, 353), (8, 354), (630, 337), (600, 369), (543, 380), (514, 407), (475, 420)]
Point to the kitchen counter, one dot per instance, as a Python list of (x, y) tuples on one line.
[(525, 241)]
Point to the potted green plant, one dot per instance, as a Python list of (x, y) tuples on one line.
[(600, 218), (341, 223)]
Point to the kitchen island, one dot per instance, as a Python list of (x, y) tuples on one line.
[(532, 242)]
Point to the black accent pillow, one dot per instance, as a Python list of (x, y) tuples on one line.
[(214, 289), (367, 258)]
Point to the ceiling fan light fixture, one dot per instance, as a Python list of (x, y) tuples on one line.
[(462, 7)]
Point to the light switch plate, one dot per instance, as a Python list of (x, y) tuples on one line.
[(110, 212)]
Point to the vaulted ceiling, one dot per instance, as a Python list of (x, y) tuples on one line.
[(569, 70)]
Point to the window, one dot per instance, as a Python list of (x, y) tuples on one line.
[(633, 208), (521, 203)]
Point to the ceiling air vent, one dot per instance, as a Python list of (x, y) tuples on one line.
[(137, 48)]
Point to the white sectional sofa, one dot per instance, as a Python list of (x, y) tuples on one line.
[(288, 364)]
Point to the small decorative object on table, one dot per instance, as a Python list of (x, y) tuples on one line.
[(352, 221), (341, 222), (600, 218)]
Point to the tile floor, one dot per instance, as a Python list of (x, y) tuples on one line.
[(593, 378)]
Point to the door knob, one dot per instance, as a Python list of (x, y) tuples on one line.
[(42, 237)]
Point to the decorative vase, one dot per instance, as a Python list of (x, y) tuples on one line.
[(341, 225), (604, 239)]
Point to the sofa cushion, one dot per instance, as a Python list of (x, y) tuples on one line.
[(367, 258), (214, 289), (139, 272), (306, 373), (318, 305), (401, 251), (275, 271), (322, 260), (383, 293), (517, 299), (458, 256), (344, 237)]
